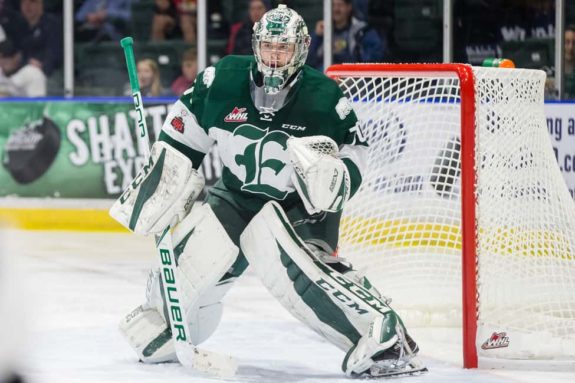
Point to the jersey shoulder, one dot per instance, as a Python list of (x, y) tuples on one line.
[(316, 81), (223, 80), (228, 73), (326, 97)]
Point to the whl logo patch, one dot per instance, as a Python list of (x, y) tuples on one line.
[(496, 340), (237, 115)]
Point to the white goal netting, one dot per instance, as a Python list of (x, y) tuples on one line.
[(404, 225)]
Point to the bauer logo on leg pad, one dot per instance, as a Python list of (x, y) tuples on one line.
[(173, 301), (165, 253)]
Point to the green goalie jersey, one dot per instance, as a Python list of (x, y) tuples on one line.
[(218, 109)]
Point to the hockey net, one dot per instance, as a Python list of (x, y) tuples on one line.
[(463, 211)]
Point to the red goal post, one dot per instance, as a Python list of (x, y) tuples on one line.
[(404, 100)]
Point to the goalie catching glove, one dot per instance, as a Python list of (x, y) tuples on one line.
[(161, 194), (320, 178)]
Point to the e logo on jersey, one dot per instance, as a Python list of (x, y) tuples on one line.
[(261, 159)]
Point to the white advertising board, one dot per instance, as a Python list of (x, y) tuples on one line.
[(561, 127)]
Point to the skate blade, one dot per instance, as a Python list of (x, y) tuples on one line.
[(398, 373)]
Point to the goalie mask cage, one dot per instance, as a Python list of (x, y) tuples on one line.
[(463, 211)]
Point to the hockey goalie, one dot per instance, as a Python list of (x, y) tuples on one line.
[(292, 152)]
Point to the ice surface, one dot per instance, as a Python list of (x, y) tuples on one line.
[(75, 287)]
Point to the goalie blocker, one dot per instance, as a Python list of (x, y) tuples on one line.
[(346, 313)]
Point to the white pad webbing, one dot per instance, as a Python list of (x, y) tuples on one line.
[(278, 255), (161, 194)]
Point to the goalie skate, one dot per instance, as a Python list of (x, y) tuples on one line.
[(394, 363), (366, 361), (396, 367)]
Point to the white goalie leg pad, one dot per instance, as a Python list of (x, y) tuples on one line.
[(320, 177), (206, 254), (327, 301), (161, 194)]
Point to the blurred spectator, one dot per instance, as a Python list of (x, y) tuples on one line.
[(20, 79), (149, 79), (173, 16), (43, 43), (101, 20), (353, 40), (12, 24), (570, 49), (218, 27), (189, 72), (360, 9), (240, 41), (187, 14), (380, 17), (569, 63), (164, 24)]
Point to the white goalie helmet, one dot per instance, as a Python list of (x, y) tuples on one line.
[(280, 42)]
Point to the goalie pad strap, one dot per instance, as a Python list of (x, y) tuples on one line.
[(328, 302), (161, 194), (147, 333)]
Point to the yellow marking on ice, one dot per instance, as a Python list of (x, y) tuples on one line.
[(60, 219)]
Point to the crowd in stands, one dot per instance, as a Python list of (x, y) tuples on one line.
[(354, 40), (240, 41), (31, 47), (31, 37)]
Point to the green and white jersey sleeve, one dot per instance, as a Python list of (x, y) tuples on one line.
[(353, 148), (182, 128)]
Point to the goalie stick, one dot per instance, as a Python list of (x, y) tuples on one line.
[(188, 354)]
